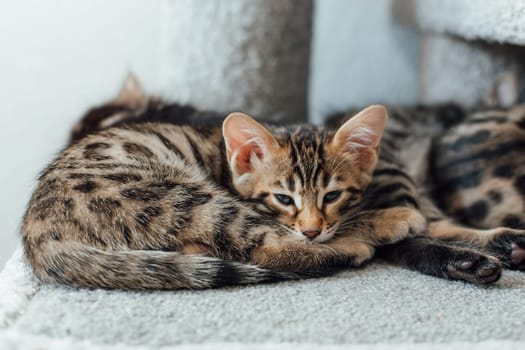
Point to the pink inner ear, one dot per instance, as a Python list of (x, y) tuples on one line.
[(364, 142), (244, 136), (366, 159), (362, 134), (363, 138), (243, 154)]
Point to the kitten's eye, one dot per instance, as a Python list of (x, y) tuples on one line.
[(284, 199), (331, 196)]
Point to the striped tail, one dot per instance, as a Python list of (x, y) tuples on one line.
[(77, 265)]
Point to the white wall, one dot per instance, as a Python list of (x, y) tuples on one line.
[(361, 55), (56, 59)]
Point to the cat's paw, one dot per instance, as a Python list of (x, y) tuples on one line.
[(509, 246), (406, 222), (473, 267)]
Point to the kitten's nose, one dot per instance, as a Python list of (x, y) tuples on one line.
[(312, 233)]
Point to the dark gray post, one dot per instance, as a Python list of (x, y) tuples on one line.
[(240, 55)]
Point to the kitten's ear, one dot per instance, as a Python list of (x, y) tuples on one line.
[(361, 135), (504, 91), (247, 142), (131, 92)]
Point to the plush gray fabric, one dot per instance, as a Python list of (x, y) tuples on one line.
[(491, 20), (463, 72), (377, 304), (459, 61)]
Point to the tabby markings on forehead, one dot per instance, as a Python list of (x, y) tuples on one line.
[(298, 199), (290, 182)]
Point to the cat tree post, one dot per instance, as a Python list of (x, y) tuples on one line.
[(453, 69), (466, 45), (247, 55)]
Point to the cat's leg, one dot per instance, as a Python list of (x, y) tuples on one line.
[(386, 226), (288, 253), (391, 209), (406, 213), (353, 245), (440, 259), (505, 243), (509, 246)]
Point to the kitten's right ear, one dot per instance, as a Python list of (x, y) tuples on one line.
[(247, 142), (131, 92)]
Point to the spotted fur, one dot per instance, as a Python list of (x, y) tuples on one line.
[(481, 178), (160, 206)]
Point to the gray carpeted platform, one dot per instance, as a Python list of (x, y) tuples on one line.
[(377, 304)]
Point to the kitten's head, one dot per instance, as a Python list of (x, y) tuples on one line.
[(308, 177)]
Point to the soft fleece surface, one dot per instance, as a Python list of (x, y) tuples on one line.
[(377, 307), (491, 20)]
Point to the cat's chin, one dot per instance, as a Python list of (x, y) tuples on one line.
[(323, 237)]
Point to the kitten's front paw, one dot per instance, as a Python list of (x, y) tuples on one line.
[(406, 222), (473, 267), (509, 246)]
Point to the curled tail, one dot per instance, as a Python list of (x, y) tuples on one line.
[(78, 265)]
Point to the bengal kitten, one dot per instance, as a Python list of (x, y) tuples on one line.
[(163, 206), (397, 180)]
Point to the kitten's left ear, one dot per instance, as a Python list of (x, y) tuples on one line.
[(131, 92), (504, 91), (361, 135), (247, 142)]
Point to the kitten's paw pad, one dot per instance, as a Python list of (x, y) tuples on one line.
[(474, 268), (517, 256), (510, 248)]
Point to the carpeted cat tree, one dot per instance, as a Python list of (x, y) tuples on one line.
[(257, 52), (466, 45)]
